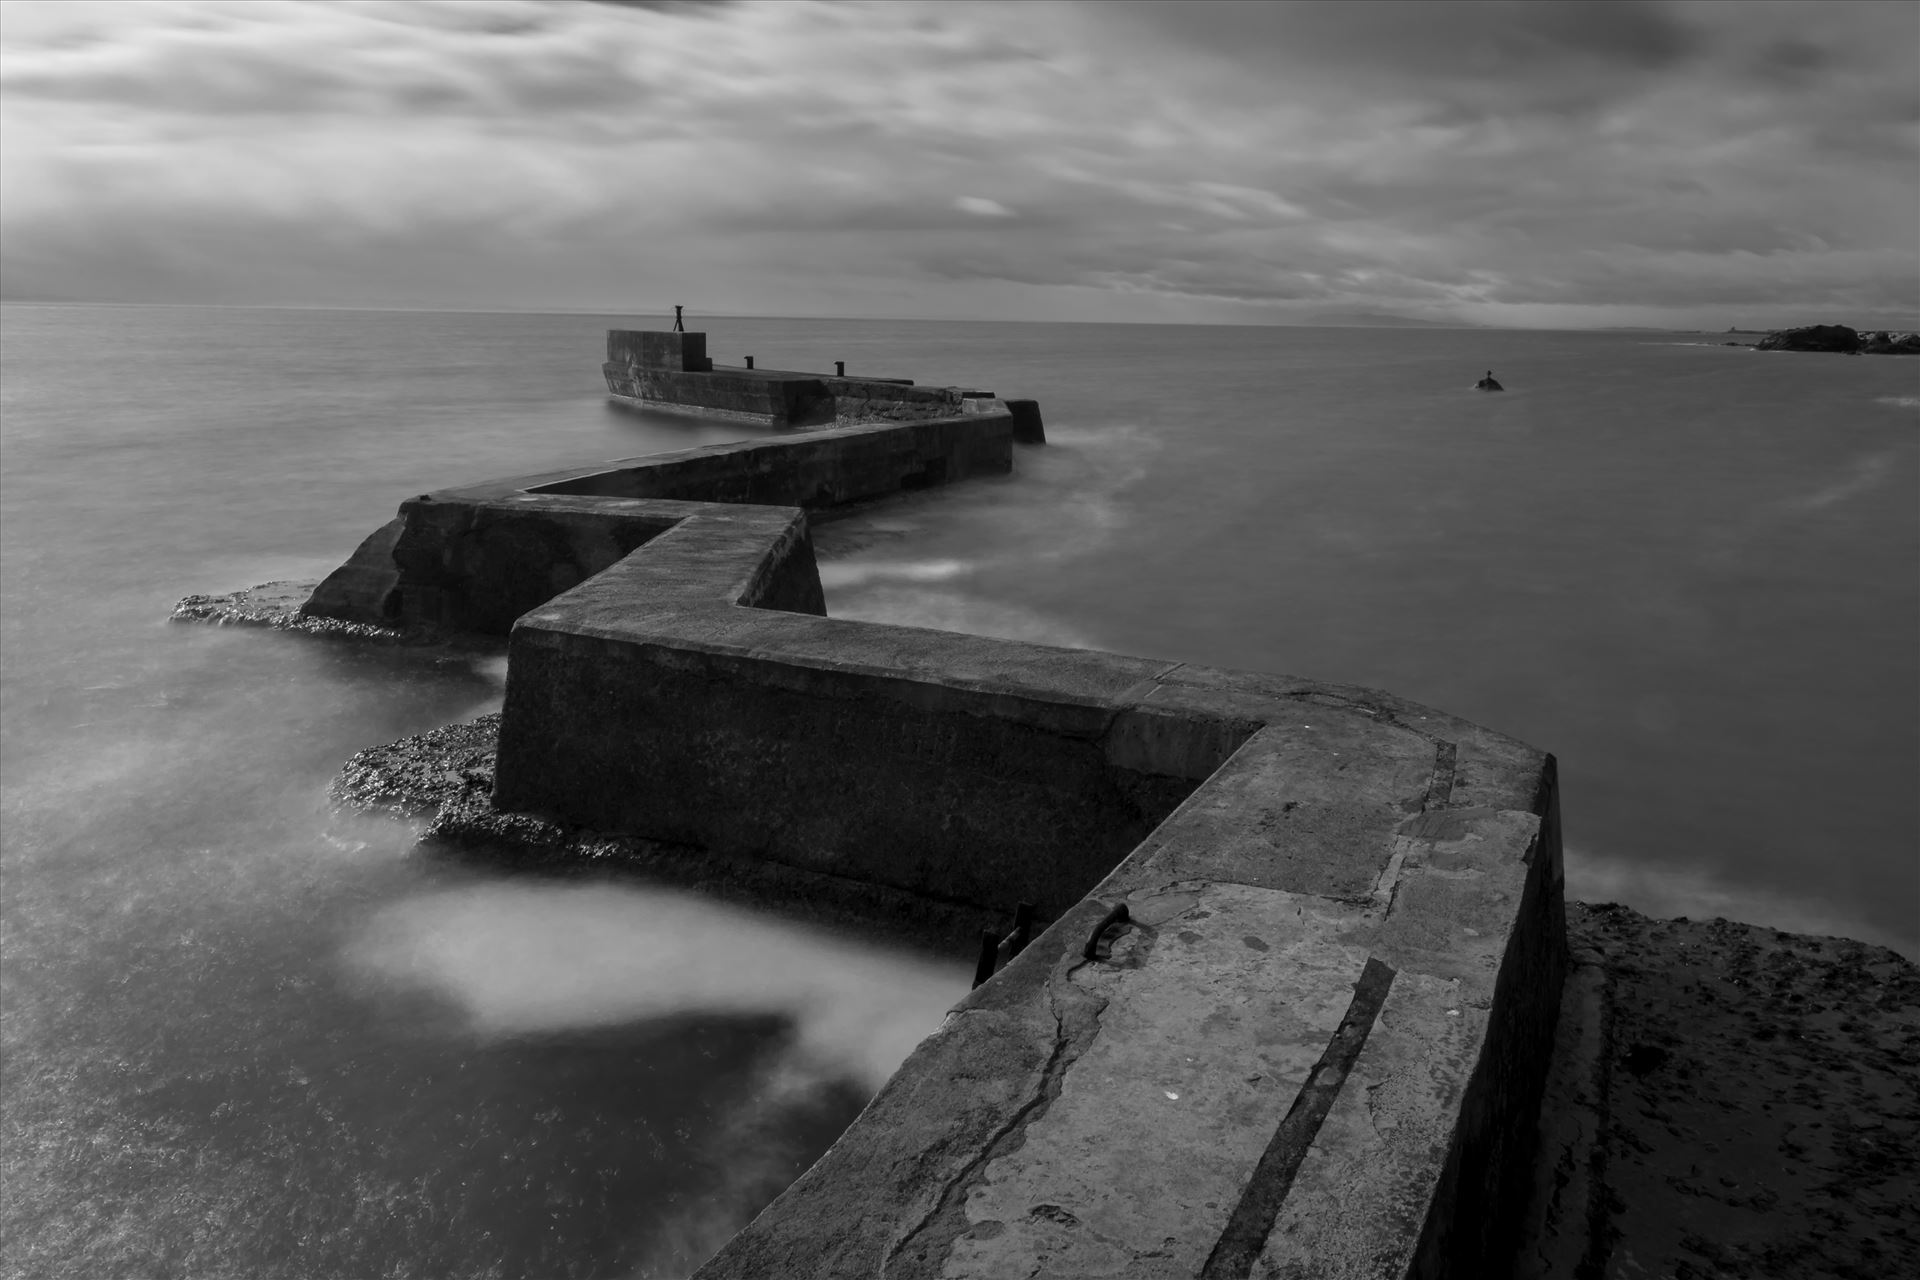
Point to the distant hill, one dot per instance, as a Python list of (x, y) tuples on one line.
[(1380, 320)]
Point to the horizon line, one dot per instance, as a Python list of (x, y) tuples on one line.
[(1386, 322)]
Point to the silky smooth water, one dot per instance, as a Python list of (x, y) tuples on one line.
[(245, 1038)]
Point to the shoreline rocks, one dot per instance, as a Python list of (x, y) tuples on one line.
[(1728, 1100), (1840, 339), (280, 606)]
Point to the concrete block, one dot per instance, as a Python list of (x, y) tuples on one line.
[(1027, 427)]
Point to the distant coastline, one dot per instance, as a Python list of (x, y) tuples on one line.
[(1835, 339)]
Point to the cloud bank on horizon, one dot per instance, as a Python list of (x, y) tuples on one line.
[(1583, 162)]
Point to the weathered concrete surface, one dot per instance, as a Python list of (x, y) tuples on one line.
[(1728, 1100), (1054, 1127), (1187, 1029), (1344, 942)]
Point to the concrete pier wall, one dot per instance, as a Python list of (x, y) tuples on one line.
[(1296, 994), (476, 557), (673, 371)]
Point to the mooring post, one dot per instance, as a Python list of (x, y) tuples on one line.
[(989, 951), (839, 368), (1022, 929), (749, 362)]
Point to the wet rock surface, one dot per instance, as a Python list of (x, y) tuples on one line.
[(277, 606), (421, 775), (1729, 1100)]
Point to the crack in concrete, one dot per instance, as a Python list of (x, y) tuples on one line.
[(946, 1221)]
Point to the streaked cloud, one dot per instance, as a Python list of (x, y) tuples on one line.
[(982, 207), (1565, 163)]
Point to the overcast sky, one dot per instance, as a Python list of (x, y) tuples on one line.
[(1561, 163)]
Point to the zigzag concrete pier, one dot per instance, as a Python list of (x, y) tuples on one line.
[(1315, 1044)]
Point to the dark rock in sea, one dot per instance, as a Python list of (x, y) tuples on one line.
[(1884, 343), (1812, 337)]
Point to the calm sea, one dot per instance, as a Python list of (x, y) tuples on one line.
[(245, 1038)]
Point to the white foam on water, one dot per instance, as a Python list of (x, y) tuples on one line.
[(853, 573), (957, 611), (1861, 475), (1063, 504), (524, 957), (492, 669), (1900, 402)]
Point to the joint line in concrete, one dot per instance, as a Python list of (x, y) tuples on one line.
[(1240, 1244), (1440, 790)]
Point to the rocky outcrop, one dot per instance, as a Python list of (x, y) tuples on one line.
[(1840, 338), (1812, 337), (1728, 1100), (1884, 343)]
